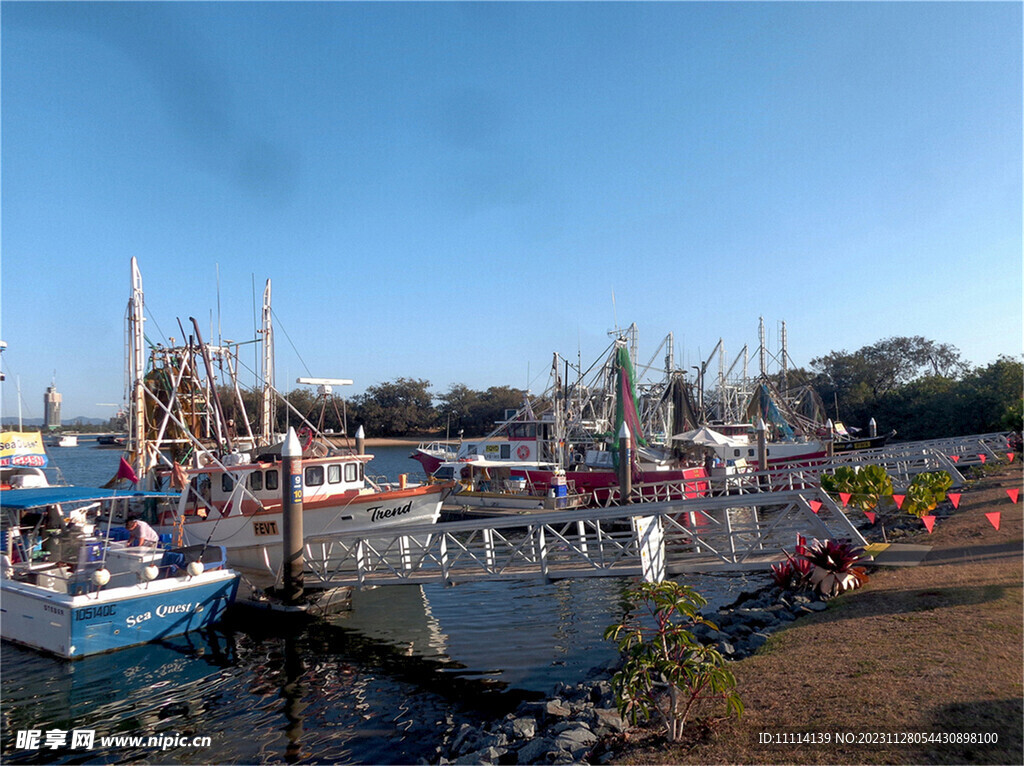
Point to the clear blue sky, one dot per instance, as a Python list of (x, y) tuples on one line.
[(454, 191)]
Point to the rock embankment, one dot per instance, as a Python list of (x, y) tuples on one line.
[(569, 727)]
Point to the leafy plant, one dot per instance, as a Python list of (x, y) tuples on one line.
[(667, 673), (835, 567), (866, 487), (925, 492)]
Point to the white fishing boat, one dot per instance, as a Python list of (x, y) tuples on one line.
[(230, 473), (70, 589), (498, 485), (62, 440)]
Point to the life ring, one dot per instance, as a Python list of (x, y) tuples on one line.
[(523, 452), (306, 437)]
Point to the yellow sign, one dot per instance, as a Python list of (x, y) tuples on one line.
[(20, 448)]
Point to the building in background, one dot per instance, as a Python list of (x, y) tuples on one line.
[(51, 407)]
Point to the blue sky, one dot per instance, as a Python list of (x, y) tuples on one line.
[(454, 191)]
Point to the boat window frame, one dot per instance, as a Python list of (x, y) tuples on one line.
[(310, 477), (352, 475), (256, 481), (334, 473), (271, 482)]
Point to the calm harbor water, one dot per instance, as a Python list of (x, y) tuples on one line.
[(374, 685)]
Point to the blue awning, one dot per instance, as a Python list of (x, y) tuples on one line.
[(35, 497)]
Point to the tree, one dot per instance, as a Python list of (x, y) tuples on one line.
[(396, 409)]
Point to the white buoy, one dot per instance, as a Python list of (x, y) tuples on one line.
[(195, 568), (101, 577), (151, 572)]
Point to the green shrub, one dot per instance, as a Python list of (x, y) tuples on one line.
[(667, 674)]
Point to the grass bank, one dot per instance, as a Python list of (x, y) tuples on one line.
[(929, 650)]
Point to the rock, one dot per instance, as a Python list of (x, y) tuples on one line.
[(609, 719), (486, 755), (555, 708), (726, 648), (602, 694), (785, 616), (464, 740), (535, 750), (576, 740), (523, 728), (755, 617), (756, 641), (817, 606)]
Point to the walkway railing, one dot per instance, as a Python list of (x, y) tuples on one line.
[(723, 533)]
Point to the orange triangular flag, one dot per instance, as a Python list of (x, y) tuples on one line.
[(1013, 493), (981, 458), (1010, 456), (870, 515), (845, 497), (815, 505), (899, 500), (955, 458), (994, 518), (954, 498), (929, 521)]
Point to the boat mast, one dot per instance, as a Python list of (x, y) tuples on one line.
[(267, 415), (137, 357)]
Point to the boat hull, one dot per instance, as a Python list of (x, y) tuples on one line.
[(653, 486), (255, 540), (74, 626)]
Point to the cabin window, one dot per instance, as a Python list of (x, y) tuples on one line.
[(750, 453), (735, 453), (227, 482), (314, 476), (506, 451), (352, 471), (333, 474), (256, 481), (271, 480), (470, 449)]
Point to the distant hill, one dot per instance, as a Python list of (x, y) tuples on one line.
[(64, 421)]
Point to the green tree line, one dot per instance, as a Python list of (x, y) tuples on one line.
[(921, 388)]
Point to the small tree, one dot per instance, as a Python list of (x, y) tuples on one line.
[(667, 673)]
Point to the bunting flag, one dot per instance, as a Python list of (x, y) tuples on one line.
[(955, 458), (1014, 494), (845, 497), (1010, 456), (929, 522), (870, 515), (125, 471), (981, 457), (954, 498), (898, 499), (815, 505), (994, 518)]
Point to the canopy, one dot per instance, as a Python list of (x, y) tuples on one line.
[(705, 437), (36, 497)]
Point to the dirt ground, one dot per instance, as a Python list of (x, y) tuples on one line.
[(921, 665)]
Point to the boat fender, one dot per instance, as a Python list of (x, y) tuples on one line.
[(101, 577), (151, 572), (195, 568)]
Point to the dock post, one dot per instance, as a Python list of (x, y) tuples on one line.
[(360, 441), (625, 466), (762, 452), (872, 428), (291, 521)]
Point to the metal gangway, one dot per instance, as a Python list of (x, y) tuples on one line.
[(651, 539)]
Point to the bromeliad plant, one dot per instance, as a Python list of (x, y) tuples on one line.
[(667, 674), (835, 566)]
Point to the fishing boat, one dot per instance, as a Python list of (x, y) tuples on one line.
[(62, 440), (230, 473), (489, 484), (574, 440), (72, 589)]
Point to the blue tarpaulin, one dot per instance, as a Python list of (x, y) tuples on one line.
[(22, 499)]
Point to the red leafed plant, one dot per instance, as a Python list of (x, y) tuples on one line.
[(834, 566), (792, 574)]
